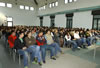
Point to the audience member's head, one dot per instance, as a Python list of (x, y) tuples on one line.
[(21, 34), (29, 34), (40, 33), (13, 33), (48, 32)]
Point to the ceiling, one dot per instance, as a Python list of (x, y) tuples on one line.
[(37, 2), (44, 2)]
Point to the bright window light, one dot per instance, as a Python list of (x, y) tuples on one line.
[(56, 3), (21, 7), (10, 24), (53, 4), (9, 19), (31, 8), (70, 0), (27, 7), (2, 4), (9, 5), (66, 1), (43, 7), (50, 5)]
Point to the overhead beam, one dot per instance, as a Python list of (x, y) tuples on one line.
[(36, 2)]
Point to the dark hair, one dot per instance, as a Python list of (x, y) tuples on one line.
[(12, 31), (21, 32), (76, 31), (48, 30), (28, 32), (40, 32)]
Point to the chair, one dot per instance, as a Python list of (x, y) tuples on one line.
[(65, 44), (15, 53)]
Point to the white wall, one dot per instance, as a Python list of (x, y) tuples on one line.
[(74, 5), (83, 19), (80, 19), (60, 20), (37, 22), (46, 21)]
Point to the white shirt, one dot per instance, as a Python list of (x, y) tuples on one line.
[(76, 36), (52, 34), (68, 38)]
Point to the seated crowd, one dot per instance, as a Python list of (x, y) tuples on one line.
[(37, 40)]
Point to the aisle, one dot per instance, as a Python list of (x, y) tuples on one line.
[(78, 59)]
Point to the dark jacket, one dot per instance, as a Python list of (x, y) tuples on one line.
[(18, 44), (41, 40), (30, 41)]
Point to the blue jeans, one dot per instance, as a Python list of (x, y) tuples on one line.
[(92, 40), (73, 43), (37, 51), (43, 51), (56, 46), (24, 53), (88, 41), (79, 42), (83, 40)]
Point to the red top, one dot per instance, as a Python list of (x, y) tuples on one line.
[(40, 40), (11, 40)]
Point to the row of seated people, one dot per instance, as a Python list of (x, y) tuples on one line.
[(80, 39), (36, 40), (60, 33), (36, 46)]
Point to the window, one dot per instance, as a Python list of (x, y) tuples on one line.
[(50, 5), (2, 4), (96, 19), (26, 7), (31, 8), (9, 5), (56, 3), (10, 24), (42, 8), (21, 7), (52, 18), (69, 1), (66, 1), (41, 21), (53, 4), (96, 22), (5, 5), (9, 21), (69, 20)]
